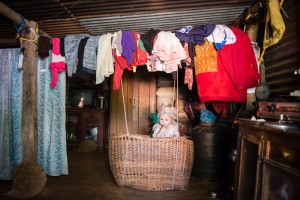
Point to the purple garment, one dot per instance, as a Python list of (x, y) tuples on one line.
[(128, 45), (196, 35)]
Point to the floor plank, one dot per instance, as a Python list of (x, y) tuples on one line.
[(90, 178)]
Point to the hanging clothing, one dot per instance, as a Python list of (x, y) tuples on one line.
[(128, 45), (169, 50), (196, 35), (206, 58), (44, 47), (239, 61), (140, 56), (120, 65), (90, 55), (188, 77), (274, 25), (148, 39), (192, 53), (221, 108), (79, 69), (188, 59), (105, 62), (52, 147), (217, 85), (11, 143), (220, 36), (62, 46), (117, 41), (71, 44), (58, 62)]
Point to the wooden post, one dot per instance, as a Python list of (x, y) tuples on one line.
[(252, 33), (29, 178), (29, 106)]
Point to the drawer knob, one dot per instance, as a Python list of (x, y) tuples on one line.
[(285, 154)]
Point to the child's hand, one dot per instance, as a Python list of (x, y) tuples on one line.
[(162, 129)]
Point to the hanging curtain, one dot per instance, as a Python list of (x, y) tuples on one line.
[(52, 149), (11, 149)]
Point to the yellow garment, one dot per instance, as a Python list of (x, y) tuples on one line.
[(206, 58), (275, 20)]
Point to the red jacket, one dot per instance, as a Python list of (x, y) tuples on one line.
[(237, 71), (239, 62)]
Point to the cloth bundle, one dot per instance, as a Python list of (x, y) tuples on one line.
[(207, 117)]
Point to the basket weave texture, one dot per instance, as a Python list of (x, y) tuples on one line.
[(151, 164)]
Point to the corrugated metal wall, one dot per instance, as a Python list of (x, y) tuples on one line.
[(283, 59)]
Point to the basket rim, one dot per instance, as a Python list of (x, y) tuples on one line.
[(148, 137)]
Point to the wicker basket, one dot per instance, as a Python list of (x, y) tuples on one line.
[(151, 164)]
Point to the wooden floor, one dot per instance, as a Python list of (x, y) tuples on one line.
[(90, 178)]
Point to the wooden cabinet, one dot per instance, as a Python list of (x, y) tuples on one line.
[(268, 163), (81, 120), (140, 101)]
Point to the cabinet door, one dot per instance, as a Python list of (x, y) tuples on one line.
[(248, 167), (144, 101), (73, 127), (140, 101), (117, 116)]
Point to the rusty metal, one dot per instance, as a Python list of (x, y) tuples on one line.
[(282, 61), (64, 17)]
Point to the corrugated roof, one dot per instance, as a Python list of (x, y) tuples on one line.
[(59, 18)]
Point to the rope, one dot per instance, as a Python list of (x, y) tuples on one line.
[(175, 167), (236, 116), (124, 107), (174, 92), (127, 133), (177, 101)]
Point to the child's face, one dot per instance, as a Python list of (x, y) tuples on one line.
[(165, 119)]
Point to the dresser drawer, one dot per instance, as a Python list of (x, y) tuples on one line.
[(284, 154)]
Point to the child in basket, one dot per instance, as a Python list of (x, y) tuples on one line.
[(166, 125)]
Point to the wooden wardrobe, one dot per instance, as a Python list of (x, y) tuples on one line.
[(140, 101)]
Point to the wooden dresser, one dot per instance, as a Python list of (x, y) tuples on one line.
[(268, 163), (81, 120)]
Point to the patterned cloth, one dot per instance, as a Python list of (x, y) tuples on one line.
[(169, 50), (188, 77), (71, 50), (206, 58), (90, 54), (52, 147), (11, 146)]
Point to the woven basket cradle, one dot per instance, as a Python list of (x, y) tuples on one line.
[(151, 164)]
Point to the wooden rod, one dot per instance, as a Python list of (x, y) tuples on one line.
[(14, 16)]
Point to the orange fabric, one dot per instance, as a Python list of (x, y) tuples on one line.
[(206, 58)]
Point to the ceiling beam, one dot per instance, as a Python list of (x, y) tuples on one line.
[(14, 16)]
